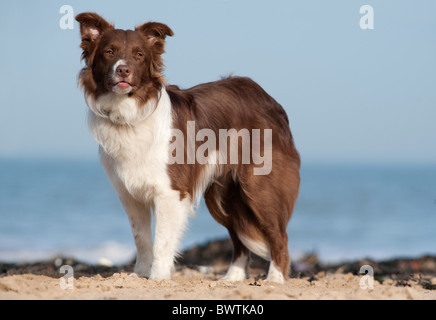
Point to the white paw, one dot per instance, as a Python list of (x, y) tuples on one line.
[(275, 279), (234, 274), (275, 275), (160, 274), (142, 270), (237, 270), (159, 277)]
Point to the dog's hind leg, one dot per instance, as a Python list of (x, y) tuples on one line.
[(224, 203), (241, 256), (271, 199)]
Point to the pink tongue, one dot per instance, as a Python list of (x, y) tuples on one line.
[(123, 85)]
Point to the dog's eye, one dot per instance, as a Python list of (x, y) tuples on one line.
[(110, 52), (139, 54)]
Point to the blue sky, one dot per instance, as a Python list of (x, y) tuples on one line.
[(352, 95)]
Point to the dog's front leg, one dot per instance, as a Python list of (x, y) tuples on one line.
[(171, 216), (140, 221), (139, 213)]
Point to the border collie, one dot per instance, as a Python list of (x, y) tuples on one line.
[(135, 115)]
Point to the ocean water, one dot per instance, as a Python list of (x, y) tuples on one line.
[(54, 208)]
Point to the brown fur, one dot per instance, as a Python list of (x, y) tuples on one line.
[(148, 39), (257, 206)]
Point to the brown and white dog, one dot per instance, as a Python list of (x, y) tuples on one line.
[(141, 123)]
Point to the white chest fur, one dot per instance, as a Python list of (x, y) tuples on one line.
[(134, 152)]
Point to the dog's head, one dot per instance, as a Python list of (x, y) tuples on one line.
[(124, 62)]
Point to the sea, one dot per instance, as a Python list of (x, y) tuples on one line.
[(68, 208)]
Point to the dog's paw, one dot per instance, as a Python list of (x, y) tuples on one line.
[(159, 275), (275, 275), (142, 269), (275, 279), (234, 274)]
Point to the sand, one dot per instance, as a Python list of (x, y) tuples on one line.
[(198, 274), (189, 284)]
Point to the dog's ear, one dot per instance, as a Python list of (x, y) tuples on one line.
[(156, 33), (92, 27)]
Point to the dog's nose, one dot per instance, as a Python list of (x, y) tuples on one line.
[(123, 70)]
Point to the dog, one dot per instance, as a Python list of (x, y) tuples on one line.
[(145, 129)]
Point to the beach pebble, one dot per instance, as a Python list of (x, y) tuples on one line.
[(205, 269), (58, 262), (104, 262)]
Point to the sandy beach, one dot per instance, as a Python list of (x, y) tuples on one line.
[(192, 285), (400, 279)]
